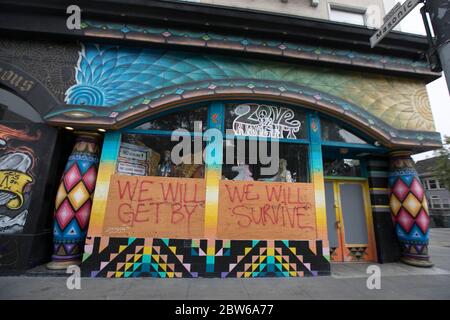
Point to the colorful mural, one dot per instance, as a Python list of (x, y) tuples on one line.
[(285, 258), (17, 176), (192, 258), (73, 202), (117, 82), (409, 210), (28, 173)]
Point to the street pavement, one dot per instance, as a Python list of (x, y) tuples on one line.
[(347, 282)]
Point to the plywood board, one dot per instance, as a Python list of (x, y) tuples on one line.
[(266, 210), (155, 207)]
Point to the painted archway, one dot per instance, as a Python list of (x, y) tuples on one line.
[(152, 103), (27, 87)]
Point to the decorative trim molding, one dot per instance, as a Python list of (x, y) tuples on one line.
[(214, 40), (126, 113)]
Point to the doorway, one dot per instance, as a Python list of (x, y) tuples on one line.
[(350, 228)]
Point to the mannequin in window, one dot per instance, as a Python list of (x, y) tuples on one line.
[(283, 175), (244, 173), (166, 168)]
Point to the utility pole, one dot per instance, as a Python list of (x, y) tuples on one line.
[(439, 11)]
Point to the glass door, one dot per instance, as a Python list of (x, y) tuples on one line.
[(350, 229)]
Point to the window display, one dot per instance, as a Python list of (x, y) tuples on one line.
[(342, 167), (178, 120), (244, 173), (247, 124), (293, 164), (136, 159), (150, 155), (331, 131)]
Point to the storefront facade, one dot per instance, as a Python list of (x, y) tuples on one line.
[(344, 122)]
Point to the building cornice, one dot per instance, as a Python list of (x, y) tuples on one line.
[(49, 18)]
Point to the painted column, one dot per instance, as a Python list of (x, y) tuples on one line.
[(409, 209), (316, 169), (213, 174), (74, 201)]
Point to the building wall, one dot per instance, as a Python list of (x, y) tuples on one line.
[(440, 217), (386, 102), (304, 8)]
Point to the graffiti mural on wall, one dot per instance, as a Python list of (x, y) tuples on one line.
[(17, 163)]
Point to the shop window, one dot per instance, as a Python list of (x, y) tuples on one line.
[(265, 120), (150, 155), (292, 163), (342, 167), (334, 132), (178, 120), (250, 124)]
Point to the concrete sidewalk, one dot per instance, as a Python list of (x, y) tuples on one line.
[(348, 281)]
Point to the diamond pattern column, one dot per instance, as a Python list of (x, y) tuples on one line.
[(74, 201), (409, 210)]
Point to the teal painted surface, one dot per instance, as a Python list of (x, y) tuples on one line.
[(214, 146), (315, 148), (111, 145), (110, 75)]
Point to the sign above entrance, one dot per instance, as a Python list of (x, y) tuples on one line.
[(257, 120), (392, 19)]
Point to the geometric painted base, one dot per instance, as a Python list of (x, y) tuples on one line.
[(415, 254), (356, 253), (192, 258)]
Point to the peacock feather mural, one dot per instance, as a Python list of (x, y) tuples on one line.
[(116, 79), (109, 75)]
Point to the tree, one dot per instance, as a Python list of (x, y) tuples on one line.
[(442, 169)]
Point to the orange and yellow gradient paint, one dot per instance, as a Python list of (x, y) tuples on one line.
[(316, 167), (106, 169)]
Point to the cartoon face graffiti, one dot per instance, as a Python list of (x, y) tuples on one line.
[(11, 167), (16, 178)]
